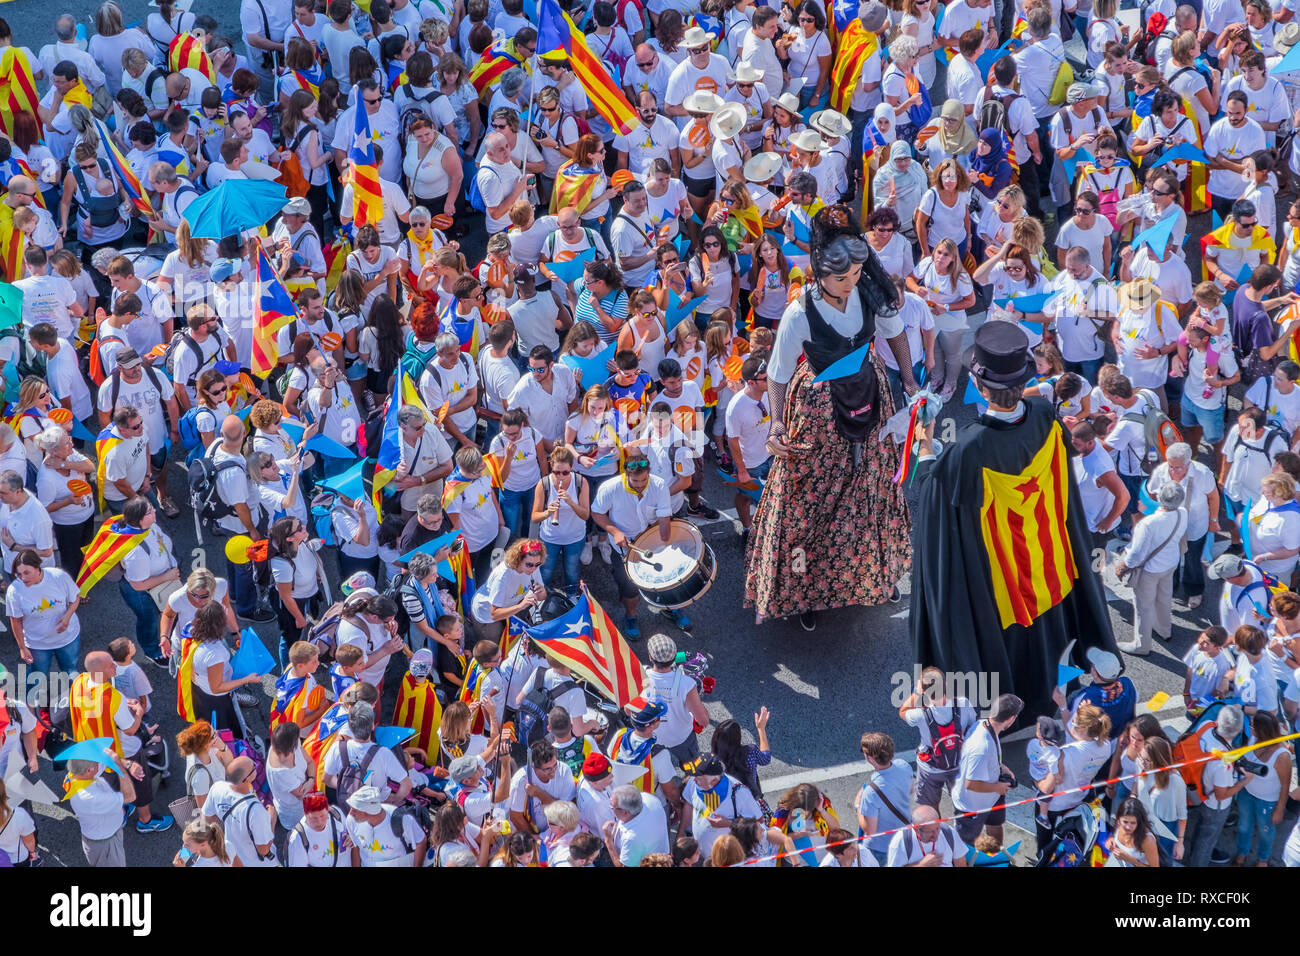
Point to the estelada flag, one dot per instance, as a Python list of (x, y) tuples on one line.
[(1223, 236), (855, 46), (575, 186), (1023, 520), (418, 709), (112, 542), (494, 62), (273, 309), (187, 50), (363, 174), (17, 89), (586, 639), (105, 442), (556, 33), (322, 735), (470, 690)]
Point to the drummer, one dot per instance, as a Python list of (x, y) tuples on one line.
[(624, 509)]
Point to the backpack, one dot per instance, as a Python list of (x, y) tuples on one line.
[(1064, 77), (256, 752), (1159, 431), (151, 81), (188, 429), (1193, 744), (415, 361), (422, 818), (549, 243), (353, 775), (292, 175), (324, 633), (583, 126), (300, 829), (204, 498), (321, 517), (472, 194), (30, 362), (173, 350), (394, 591), (96, 369), (537, 705), (116, 387), (413, 110), (944, 751), (248, 824)]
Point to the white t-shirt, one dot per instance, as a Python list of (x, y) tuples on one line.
[(380, 844), (794, 331), (1094, 239), (946, 222), (246, 822), (750, 421), (981, 759), (40, 607), (1235, 145), (369, 637)]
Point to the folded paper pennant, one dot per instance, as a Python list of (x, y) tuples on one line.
[(350, 483), (850, 364), (91, 750), (1289, 62), (1155, 236), (1188, 152), (677, 311), (295, 431), (592, 369), (393, 736), (329, 447), (570, 270), (433, 547), (252, 657), (752, 488), (1066, 673), (1028, 304)]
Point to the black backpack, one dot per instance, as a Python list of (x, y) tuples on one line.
[(169, 357), (537, 705), (394, 591), (353, 775), (204, 497)]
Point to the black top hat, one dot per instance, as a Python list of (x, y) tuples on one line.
[(1000, 356)]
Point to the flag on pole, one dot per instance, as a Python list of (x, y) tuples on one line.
[(112, 542), (390, 450), (588, 642), (17, 89), (367, 194), (125, 176), (274, 310), (496, 60), (557, 32), (856, 45), (187, 51), (305, 82)]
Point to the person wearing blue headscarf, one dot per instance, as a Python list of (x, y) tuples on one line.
[(990, 170)]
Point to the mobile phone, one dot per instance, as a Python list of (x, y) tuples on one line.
[(187, 857)]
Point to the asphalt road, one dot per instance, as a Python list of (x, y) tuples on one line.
[(824, 689)]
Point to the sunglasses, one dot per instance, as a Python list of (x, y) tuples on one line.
[(500, 125), (807, 20), (646, 66), (561, 471), (1084, 210), (885, 229), (699, 49), (550, 109), (712, 243), (538, 369), (1160, 192), (639, 464), (371, 102)]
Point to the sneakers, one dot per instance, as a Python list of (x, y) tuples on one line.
[(155, 825), (1124, 533), (159, 661), (258, 616), (606, 552), (245, 697), (1134, 647), (808, 620), (1220, 857), (678, 618), (703, 510), (630, 629), (127, 810), (895, 595), (586, 552)]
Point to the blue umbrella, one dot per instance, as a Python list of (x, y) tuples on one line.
[(235, 205)]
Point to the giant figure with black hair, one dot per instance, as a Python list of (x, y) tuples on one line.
[(1003, 579), (832, 528)]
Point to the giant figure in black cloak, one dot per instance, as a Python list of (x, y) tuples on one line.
[(1002, 576)]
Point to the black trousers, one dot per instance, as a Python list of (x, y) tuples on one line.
[(70, 539)]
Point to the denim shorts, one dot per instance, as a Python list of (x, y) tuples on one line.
[(1209, 419)]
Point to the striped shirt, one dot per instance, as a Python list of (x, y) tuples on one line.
[(614, 304)]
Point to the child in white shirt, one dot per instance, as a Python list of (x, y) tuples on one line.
[(1044, 753)]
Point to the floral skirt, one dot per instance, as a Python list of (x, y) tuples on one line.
[(828, 533)]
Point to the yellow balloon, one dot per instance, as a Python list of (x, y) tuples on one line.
[(237, 548)]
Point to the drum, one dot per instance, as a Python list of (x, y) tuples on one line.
[(674, 573)]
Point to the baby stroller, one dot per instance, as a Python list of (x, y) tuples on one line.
[(1073, 838)]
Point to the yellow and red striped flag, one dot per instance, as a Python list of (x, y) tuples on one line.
[(418, 709), (1024, 527), (187, 51), (185, 681), (575, 186), (556, 32), (112, 542), (856, 44), (470, 689), (273, 310), (496, 60), (17, 89)]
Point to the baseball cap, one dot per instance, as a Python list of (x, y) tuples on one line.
[(421, 663), (128, 357), (661, 648), (462, 768), (223, 269), (226, 367), (705, 765), (1224, 566), (1104, 663), (362, 579), (643, 713)]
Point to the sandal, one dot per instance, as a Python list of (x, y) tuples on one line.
[(170, 508)]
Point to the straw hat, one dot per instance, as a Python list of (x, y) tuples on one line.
[(808, 140), (695, 37), (762, 166), (727, 121), (702, 101), (831, 123), (1138, 295), (788, 102), (747, 74), (1287, 36)]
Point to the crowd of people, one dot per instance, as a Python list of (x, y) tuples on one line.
[(560, 325)]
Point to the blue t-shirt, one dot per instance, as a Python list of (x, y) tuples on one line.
[(895, 781), (1118, 700)]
